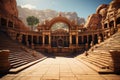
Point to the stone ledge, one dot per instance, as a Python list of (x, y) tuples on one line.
[(95, 68), (16, 70)]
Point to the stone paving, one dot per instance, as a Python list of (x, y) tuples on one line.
[(59, 68)]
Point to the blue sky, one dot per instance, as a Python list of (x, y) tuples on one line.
[(82, 7)]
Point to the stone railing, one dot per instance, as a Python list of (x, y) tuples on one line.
[(4, 62)]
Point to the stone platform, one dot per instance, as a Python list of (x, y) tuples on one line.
[(60, 68)]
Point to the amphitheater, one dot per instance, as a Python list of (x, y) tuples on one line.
[(68, 52)]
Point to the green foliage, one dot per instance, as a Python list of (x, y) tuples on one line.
[(31, 20)]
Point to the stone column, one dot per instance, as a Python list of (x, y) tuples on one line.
[(102, 24), (49, 39), (70, 39), (32, 44), (4, 63), (43, 40), (108, 25), (115, 21), (77, 40)]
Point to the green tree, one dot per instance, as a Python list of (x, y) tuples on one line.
[(32, 21)]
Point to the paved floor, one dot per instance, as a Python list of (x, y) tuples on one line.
[(59, 68)]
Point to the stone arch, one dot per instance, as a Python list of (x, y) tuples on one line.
[(59, 19)]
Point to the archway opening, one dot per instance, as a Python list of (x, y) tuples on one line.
[(118, 21), (60, 35)]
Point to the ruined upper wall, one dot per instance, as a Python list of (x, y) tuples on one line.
[(9, 6), (103, 12)]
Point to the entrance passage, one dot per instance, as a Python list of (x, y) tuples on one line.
[(60, 43), (60, 35)]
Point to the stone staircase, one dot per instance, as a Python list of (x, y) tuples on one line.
[(19, 54), (105, 56)]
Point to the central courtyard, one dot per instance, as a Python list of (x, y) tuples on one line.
[(60, 68)]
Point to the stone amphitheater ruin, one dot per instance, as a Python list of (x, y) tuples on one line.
[(96, 44)]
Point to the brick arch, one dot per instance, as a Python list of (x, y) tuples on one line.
[(60, 19)]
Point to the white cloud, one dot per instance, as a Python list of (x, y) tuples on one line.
[(29, 6)]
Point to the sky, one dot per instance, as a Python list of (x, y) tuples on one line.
[(82, 7)]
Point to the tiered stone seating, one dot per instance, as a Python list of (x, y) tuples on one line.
[(19, 54), (105, 56)]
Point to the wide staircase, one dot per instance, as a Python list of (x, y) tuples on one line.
[(104, 57), (19, 54)]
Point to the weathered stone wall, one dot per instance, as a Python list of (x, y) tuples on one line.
[(9, 6), (93, 22), (102, 14)]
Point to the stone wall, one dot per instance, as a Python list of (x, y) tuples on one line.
[(9, 6)]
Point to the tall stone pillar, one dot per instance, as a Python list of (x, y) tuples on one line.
[(70, 39), (77, 40), (4, 62), (102, 24), (115, 23), (108, 26), (43, 39), (49, 39)]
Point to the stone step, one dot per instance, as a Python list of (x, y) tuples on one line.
[(102, 60)]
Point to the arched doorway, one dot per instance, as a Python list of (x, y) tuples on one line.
[(60, 35), (60, 43)]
